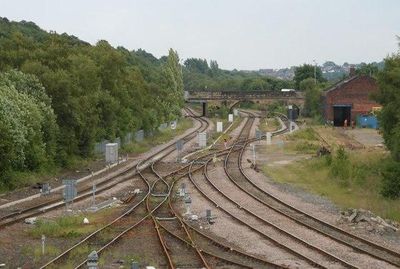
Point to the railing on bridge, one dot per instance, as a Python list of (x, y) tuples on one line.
[(215, 95)]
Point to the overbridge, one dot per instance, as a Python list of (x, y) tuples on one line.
[(231, 98)]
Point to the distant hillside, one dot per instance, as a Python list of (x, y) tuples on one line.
[(330, 70)]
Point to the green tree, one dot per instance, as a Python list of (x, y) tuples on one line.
[(172, 94), (389, 97), (307, 71), (367, 69), (97, 92), (28, 125), (389, 120), (312, 105)]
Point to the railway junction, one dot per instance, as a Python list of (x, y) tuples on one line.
[(213, 210)]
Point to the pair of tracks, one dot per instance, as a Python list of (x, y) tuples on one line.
[(177, 236), (235, 173), (199, 245), (158, 188), (85, 192)]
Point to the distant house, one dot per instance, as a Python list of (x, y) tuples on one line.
[(349, 99)]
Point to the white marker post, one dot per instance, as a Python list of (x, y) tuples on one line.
[(202, 139), (94, 194), (269, 138), (254, 154), (230, 117), (219, 127), (43, 243)]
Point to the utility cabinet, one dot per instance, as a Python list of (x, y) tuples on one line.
[(112, 152)]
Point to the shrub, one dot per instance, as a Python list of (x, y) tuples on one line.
[(391, 179), (341, 167)]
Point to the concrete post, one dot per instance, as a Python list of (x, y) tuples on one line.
[(208, 215), (92, 260), (43, 243), (135, 265), (188, 203), (269, 138)]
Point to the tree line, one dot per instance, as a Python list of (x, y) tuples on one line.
[(59, 95), (201, 76)]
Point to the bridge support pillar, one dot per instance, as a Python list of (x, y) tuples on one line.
[(204, 112)]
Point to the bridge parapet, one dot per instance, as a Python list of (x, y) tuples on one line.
[(242, 95)]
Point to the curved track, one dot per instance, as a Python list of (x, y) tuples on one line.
[(256, 228), (85, 192), (128, 225), (341, 236)]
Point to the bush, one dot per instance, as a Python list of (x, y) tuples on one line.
[(278, 106), (341, 167), (391, 180), (221, 111)]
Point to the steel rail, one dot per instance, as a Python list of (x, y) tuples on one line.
[(184, 227), (291, 235), (310, 261), (18, 215), (60, 256), (360, 246), (150, 212)]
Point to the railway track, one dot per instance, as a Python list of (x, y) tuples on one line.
[(163, 218), (113, 230), (184, 245), (157, 188), (121, 227), (177, 230), (335, 233), (262, 222), (182, 256), (85, 192)]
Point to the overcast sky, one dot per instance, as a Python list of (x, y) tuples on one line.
[(245, 34)]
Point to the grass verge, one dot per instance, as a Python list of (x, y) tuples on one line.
[(358, 189)]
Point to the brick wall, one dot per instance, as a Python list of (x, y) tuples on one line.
[(355, 93)]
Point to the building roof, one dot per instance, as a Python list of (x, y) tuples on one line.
[(343, 82)]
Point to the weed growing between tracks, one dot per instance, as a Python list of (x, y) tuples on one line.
[(35, 252), (269, 125), (68, 226)]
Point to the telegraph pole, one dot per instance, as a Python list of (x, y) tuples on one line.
[(315, 72)]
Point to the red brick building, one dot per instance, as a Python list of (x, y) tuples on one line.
[(349, 98)]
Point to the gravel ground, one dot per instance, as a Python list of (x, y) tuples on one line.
[(367, 137), (14, 239), (364, 261), (238, 235)]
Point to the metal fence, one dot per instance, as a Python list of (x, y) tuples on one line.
[(100, 147)]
